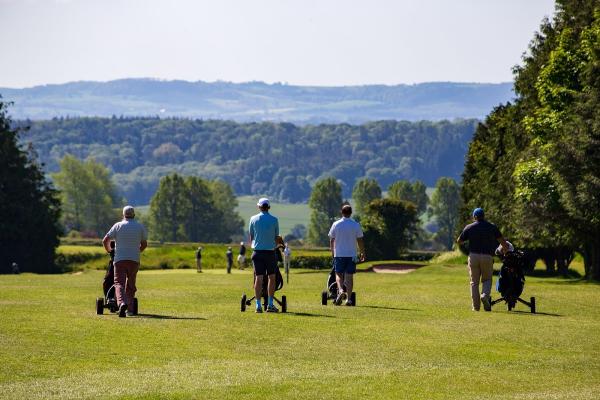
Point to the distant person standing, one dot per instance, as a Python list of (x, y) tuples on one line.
[(229, 256), (15, 268), (241, 258), (483, 237), (287, 255), (130, 239), (344, 235), (264, 234), (199, 259)]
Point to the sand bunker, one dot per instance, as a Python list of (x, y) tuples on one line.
[(395, 268)]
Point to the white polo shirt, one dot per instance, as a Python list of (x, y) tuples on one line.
[(345, 231), (127, 235)]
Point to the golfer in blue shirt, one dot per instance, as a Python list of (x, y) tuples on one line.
[(264, 234)]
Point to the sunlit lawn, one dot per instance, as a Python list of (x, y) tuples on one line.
[(412, 336)]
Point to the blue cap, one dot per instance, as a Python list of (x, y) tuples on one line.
[(478, 212)]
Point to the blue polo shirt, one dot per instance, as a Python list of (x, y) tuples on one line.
[(263, 228)]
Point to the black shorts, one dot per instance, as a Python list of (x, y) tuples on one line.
[(264, 261)]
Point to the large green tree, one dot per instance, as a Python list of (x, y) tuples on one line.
[(325, 203), (88, 195), (170, 209), (445, 206), (536, 160), (29, 206), (390, 228), (365, 191), (415, 192), (193, 209)]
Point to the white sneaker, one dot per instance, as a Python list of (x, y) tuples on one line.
[(340, 298)]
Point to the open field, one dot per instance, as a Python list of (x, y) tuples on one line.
[(412, 336), (288, 214)]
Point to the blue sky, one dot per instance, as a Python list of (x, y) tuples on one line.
[(308, 42)]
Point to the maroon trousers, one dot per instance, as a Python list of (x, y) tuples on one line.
[(125, 274)]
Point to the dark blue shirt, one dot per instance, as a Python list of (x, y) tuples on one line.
[(482, 237)]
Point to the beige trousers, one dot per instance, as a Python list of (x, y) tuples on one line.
[(481, 268)]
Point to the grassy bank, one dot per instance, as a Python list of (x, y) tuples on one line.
[(89, 254)]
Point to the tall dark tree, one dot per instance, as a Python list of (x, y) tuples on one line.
[(29, 206)]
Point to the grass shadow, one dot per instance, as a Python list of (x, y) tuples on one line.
[(390, 308), (304, 314), (542, 273), (158, 316), (536, 313)]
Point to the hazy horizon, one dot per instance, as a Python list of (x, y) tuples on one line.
[(255, 81), (302, 43)]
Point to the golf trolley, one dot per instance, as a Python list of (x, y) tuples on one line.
[(109, 300), (331, 293), (511, 281), (264, 292)]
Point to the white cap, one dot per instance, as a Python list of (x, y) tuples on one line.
[(263, 201), (128, 212)]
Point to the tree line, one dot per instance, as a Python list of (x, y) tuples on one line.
[(391, 224), (534, 164), (140, 151)]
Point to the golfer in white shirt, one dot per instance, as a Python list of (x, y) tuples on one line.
[(344, 235)]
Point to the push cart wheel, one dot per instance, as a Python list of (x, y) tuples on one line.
[(243, 303), (135, 306), (100, 306), (353, 298), (509, 306), (324, 298), (283, 304), (533, 305)]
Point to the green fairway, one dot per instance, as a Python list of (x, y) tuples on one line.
[(412, 336)]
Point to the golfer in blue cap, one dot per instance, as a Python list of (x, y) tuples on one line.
[(483, 238), (264, 235)]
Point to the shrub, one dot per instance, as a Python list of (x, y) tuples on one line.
[(311, 262)]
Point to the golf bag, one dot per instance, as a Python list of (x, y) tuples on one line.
[(511, 280), (265, 293), (331, 291)]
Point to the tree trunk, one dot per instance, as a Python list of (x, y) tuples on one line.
[(549, 259), (591, 258)]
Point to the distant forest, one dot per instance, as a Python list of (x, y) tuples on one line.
[(281, 160)]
